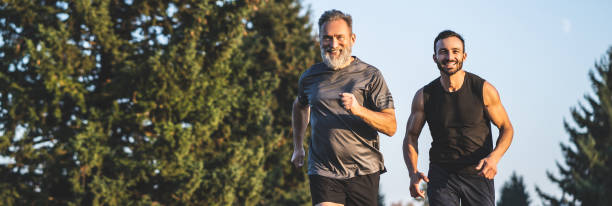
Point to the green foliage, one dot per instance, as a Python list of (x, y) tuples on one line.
[(585, 178), (111, 102), (280, 46), (513, 192)]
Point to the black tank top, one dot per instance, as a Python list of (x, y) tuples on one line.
[(459, 126)]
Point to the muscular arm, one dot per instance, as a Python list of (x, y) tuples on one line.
[(415, 124), (383, 121), (499, 117), (299, 121)]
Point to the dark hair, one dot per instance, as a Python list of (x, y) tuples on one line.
[(332, 15), (448, 33)]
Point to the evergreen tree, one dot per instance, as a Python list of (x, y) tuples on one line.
[(121, 102), (145, 102), (513, 192), (280, 45), (585, 178)]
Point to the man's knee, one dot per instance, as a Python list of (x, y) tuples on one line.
[(329, 204)]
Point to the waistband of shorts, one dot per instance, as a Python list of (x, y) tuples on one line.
[(456, 168)]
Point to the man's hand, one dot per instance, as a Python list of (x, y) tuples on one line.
[(349, 102), (415, 179), (488, 167), (298, 157)]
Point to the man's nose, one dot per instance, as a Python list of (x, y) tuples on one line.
[(335, 42)]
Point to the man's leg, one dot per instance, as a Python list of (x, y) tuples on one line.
[(329, 204), (363, 190), (476, 190), (327, 191), (440, 189)]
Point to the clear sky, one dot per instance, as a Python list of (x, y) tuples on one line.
[(536, 53)]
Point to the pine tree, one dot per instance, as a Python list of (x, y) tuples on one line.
[(121, 102), (585, 177), (280, 45), (513, 192)]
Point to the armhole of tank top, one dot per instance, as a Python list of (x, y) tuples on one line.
[(425, 99), (426, 94), (479, 83)]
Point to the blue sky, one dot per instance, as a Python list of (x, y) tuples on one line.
[(536, 53)]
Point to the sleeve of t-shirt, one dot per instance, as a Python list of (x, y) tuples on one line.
[(379, 93), (301, 95)]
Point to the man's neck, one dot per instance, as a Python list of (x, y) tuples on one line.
[(452, 83)]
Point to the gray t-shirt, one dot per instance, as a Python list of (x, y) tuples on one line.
[(343, 145)]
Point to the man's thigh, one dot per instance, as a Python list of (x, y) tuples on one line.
[(440, 189), (324, 189), (476, 190), (363, 190)]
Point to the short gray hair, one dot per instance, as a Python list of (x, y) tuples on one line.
[(332, 15)]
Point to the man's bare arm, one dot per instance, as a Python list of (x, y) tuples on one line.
[(383, 121), (300, 116), (499, 117), (415, 124)]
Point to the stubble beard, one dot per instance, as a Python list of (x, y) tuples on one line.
[(450, 72), (339, 62)]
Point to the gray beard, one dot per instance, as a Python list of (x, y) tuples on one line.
[(340, 61)]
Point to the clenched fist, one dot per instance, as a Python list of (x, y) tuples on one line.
[(487, 167), (298, 157), (349, 102)]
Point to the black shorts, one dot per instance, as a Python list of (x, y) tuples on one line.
[(446, 188), (360, 190)]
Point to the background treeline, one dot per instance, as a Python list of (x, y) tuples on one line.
[(148, 102)]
